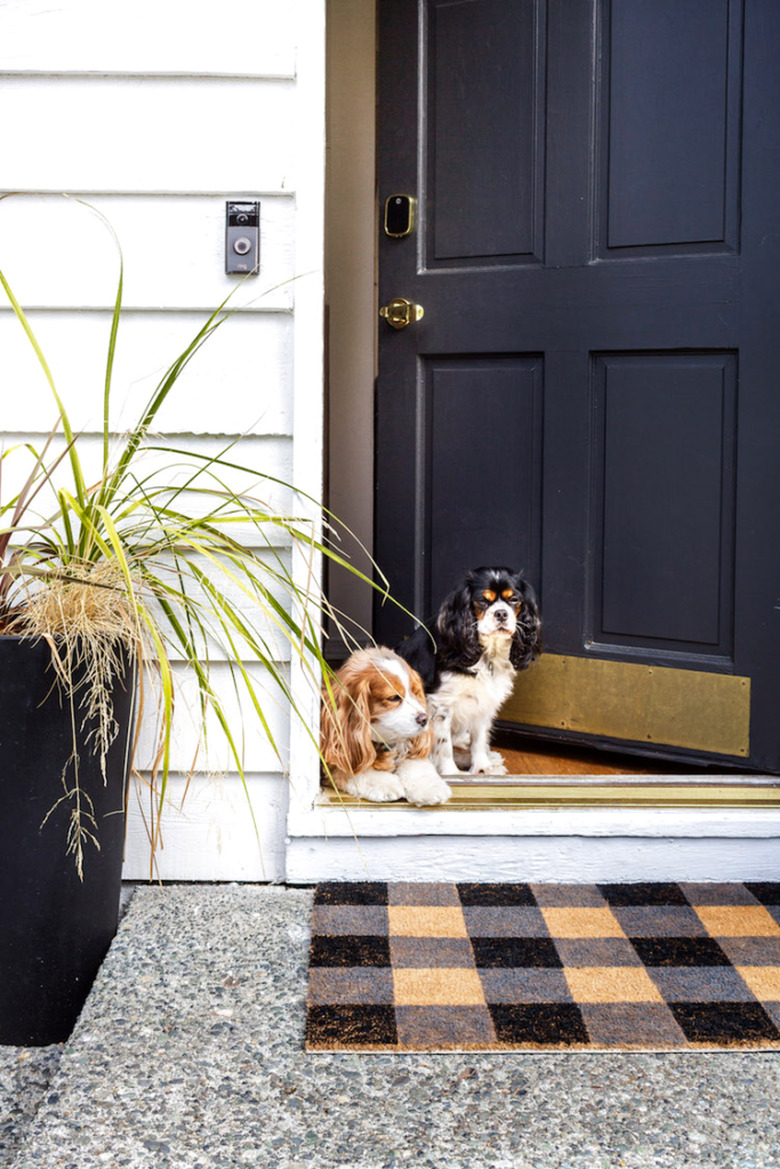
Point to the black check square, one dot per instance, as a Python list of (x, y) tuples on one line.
[(349, 950), (643, 893), (515, 952), (538, 1023), (365, 1025), (351, 893), (726, 1023), (495, 894), (680, 952), (767, 892)]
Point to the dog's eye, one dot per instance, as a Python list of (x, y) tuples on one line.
[(395, 698)]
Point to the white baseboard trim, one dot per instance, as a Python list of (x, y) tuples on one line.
[(564, 859)]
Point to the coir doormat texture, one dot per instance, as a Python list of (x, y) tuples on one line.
[(508, 967)]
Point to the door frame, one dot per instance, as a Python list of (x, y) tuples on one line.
[(555, 842)]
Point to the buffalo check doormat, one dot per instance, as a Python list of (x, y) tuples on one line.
[(512, 967)]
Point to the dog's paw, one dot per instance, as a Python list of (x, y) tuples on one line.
[(379, 787), (424, 793), (492, 764), (422, 784)]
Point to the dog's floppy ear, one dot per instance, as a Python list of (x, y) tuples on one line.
[(422, 745), (527, 641), (345, 740), (456, 628)]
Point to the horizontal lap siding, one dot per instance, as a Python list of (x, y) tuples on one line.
[(208, 833), (255, 38), (246, 368), (255, 749), (173, 249), (157, 134), (156, 113)]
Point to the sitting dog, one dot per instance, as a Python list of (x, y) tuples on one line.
[(487, 629), (376, 739)]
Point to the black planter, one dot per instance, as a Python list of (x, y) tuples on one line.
[(54, 928)]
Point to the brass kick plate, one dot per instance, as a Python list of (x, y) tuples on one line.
[(624, 700)]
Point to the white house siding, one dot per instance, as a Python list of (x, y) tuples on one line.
[(156, 113)]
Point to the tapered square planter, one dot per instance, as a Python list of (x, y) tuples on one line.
[(55, 929)]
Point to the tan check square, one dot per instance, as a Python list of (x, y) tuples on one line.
[(612, 984), (582, 923), (440, 988), (730, 921), (764, 981), (426, 921)]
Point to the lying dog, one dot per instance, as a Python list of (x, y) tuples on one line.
[(487, 629), (376, 739)]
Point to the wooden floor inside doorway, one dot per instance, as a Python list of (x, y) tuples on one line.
[(535, 757)]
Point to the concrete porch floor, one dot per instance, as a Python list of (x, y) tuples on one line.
[(189, 1055)]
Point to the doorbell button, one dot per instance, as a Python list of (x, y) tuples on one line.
[(242, 238)]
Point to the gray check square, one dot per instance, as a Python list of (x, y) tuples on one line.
[(718, 893), (659, 921), (700, 984), (773, 1010), (434, 1027), (524, 986), (428, 953), (329, 984), (566, 896), (648, 1024), (419, 893), (751, 951), (581, 952), (336, 920), (504, 921)]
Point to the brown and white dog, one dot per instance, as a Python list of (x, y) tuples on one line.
[(375, 734)]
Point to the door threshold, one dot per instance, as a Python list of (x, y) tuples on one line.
[(554, 792)]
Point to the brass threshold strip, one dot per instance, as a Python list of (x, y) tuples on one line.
[(546, 794)]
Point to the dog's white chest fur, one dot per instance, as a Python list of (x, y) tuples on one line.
[(464, 706), (476, 695)]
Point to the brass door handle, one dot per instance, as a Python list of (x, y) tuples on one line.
[(400, 312)]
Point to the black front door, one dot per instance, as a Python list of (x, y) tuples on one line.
[(592, 392)]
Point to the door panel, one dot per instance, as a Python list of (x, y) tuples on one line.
[(490, 210), (484, 417), (672, 82), (666, 494), (590, 393)]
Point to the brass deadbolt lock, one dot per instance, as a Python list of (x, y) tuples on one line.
[(401, 312)]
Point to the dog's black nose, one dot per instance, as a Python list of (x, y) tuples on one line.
[(501, 616), (422, 720)]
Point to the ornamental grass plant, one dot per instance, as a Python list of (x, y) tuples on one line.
[(161, 558)]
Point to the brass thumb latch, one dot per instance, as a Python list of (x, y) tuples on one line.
[(400, 312)]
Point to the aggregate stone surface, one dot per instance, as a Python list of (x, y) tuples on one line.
[(25, 1075), (189, 1055)]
